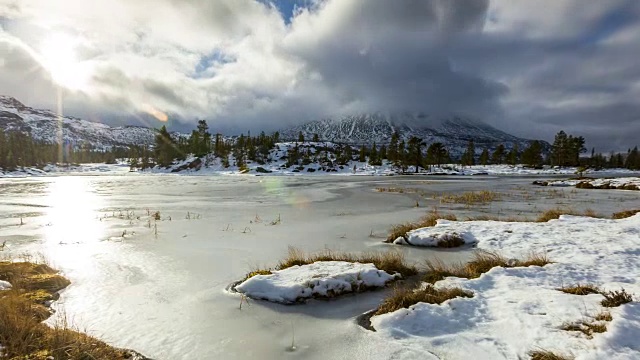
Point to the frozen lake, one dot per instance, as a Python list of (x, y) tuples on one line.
[(160, 289)]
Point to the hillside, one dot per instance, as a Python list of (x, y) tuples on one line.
[(46, 125), (453, 132)]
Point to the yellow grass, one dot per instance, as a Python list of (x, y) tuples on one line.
[(405, 297), (22, 310), (481, 262)]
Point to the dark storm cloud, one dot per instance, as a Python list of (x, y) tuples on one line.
[(529, 68), (381, 56)]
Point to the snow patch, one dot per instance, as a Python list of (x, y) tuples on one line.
[(4, 285), (516, 310), (320, 279)]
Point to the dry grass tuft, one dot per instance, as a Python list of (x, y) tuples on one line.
[(471, 198), (547, 355), (579, 289), (624, 214), (429, 220), (22, 333), (603, 316), (391, 262), (555, 214), (402, 298), (585, 327), (255, 272), (481, 262), (616, 298)]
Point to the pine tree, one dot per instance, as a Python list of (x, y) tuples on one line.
[(383, 152), (633, 160), (484, 157), (363, 154), (392, 152), (513, 155), (468, 158), (374, 159), (559, 149), (436, 153), (300, 137), (415, 152), (401, 157), (165, 148), (532, 156), (498, 155), (316, 138)]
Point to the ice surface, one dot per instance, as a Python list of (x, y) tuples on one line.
[(164, 295), (320, 279)]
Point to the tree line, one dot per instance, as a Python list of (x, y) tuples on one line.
[(400, 153), (18, 149)]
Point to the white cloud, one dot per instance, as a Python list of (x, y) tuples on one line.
[(238, 63)]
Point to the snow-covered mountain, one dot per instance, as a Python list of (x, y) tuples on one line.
[(454, 132), (46, 125)]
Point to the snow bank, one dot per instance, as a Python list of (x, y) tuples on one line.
[(320, 279), (429, 238), (598, 183), (516, 310), (4, 285)]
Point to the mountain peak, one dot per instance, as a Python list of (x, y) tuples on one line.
[(364, 129), (11, 102)]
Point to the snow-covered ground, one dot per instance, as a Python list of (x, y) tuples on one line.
[(517, 310), (320, 279), (606, 182)]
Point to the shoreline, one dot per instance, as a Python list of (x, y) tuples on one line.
[(26, 305)]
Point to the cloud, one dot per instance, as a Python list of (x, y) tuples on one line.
[(530, 68)]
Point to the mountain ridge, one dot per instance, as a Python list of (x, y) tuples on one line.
[(47, 126), (364, 129)]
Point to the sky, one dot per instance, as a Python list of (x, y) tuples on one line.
[(530, 68)]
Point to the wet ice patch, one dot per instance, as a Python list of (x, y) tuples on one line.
[(320, 279)]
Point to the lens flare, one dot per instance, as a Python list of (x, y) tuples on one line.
[(159, 115)]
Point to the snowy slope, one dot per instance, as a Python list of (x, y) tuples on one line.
[(454, 132), (46, 125), (517, 310)]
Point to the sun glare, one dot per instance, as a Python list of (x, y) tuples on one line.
[(59, 57)]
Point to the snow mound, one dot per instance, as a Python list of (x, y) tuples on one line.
[(320, 279), (517, 310), (434, 237), (4, 285), (616, 183)]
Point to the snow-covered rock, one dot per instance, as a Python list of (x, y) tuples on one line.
[(607, 183), (320, 279), (429, 238), (4, 285), (517, 310)]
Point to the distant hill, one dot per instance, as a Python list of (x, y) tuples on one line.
[(46, 125), (454, 132)]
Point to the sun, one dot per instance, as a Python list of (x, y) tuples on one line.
[(59, 58)]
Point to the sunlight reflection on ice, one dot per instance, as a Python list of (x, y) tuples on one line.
[(74, 229)]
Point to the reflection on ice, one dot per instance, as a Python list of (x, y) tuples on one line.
[(73, 227)]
